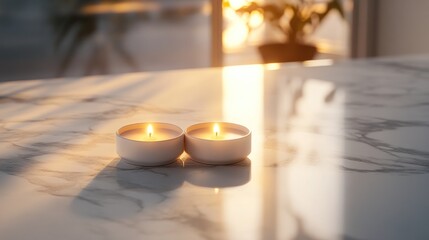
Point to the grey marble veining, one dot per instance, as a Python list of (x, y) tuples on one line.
[(338, 152)]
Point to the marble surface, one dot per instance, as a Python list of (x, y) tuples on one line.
[(338, 152)]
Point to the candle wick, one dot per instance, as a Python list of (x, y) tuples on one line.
[(150, 135)]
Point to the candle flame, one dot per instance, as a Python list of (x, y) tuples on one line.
[(216, 130), (149, 130), (216, 190)]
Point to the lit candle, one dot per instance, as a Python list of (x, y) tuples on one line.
[(218, 143), (146, 133), (150, 144)]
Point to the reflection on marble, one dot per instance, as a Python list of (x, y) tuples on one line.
[(338, 152)]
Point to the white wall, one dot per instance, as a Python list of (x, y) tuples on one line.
[(402, 27)]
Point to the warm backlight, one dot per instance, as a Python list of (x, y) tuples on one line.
[(149, 131), (216, 130)]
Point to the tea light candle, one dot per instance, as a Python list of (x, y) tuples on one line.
[(149, 144), (217, 143)]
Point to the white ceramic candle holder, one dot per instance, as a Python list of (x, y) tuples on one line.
[(150, 144), (217, 143)]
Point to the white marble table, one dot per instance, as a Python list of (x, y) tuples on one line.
[(338, 152)]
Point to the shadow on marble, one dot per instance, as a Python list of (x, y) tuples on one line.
[(122, 190), (218, 176), (154, 179), (172, 176)]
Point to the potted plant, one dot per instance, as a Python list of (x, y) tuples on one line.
[(296, 19)]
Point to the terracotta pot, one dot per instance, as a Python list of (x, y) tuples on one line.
[(286, 52)]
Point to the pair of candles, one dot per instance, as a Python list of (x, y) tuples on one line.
[(153, 144)]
